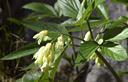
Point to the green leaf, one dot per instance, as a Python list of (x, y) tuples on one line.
[(119, 22), (86, 50), (31, 76), (117, 53), (121, 36), (30, 67), (82, 9), (50, 74), (54, 29), (86, 14), (120, 1), (114, 27), (35, 16), (110, 33), (123, 73), (19, 54), (109, 44), (23, 51), (58, 9), (39, 26), (69, 8), (103, 10), (93, 24), (29, 46), (41, 8), (45, 77)]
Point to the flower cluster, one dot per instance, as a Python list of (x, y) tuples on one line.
[(46, 55)]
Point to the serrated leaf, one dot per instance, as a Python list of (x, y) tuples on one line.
[(117, 53), (86, 50), (42, 8), (121, 36), (69, 8), (58, 9)]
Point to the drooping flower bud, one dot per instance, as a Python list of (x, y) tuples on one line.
[(42, 36), (87, 36), (100, 41), (93, 56), (98, 62)]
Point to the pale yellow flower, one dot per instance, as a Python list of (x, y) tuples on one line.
[(47, 62), (42, 36), (39, 55), (44, 57), (43, 52), (59, 46), (60, 43)]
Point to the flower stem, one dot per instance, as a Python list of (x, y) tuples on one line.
[(109, 66), (103, 59)]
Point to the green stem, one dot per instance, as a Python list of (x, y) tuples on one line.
[(103, 59), (74, 37), (74, 51), (109, 66), (89, 27)]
